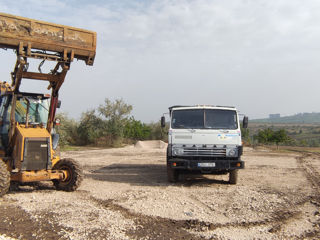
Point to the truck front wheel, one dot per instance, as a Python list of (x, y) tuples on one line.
[(233, 177), (172, 174)]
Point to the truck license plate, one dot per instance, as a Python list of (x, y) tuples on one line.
[(205, 164)]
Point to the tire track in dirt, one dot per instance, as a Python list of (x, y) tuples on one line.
[(275, 221), (17, 223), (148, 227), (164, 228), (197, 200), (312, 175), (314, 179)]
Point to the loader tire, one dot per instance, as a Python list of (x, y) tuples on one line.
[(233, 177), (74, 178), (4, 178)]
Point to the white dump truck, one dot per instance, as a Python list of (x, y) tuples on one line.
[(204, 139)]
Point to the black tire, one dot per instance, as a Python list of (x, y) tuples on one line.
[(233, 177), (172, 174), (4, 178), (14, 186), (75, 175)]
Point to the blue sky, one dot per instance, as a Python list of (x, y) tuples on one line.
[(261, 56)]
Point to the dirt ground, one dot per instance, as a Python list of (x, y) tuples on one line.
[(125, 195)]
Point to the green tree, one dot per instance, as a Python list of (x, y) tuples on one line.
[(268, 135), (91, 128), (67, 130), (264, 136), (136, 130), (303, 143), (279, 136), (116, 116), (157, 132)]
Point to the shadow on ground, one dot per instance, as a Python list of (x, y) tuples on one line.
[(148, 175), (16, 188)]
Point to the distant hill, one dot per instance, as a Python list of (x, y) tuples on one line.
[(298, 118)]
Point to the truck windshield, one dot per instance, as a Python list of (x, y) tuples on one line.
[(204, 119), (38, 110)]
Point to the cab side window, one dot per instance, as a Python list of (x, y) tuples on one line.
[(5, 108)]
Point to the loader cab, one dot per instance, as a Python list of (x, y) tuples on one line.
[(30, 109)]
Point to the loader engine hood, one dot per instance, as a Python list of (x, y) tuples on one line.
[(32, 148)]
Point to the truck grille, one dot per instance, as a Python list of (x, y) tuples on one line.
[(36, 154), (216, 152)]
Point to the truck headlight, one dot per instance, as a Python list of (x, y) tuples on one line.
[(232, 153), (177, 151)]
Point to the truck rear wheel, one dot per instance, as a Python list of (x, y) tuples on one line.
[(172, 174), (74, 177), (233, 177), (4, 178)]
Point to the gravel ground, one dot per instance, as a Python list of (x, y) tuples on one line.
[(125, 195)]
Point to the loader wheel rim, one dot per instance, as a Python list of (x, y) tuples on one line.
[(69, 176)]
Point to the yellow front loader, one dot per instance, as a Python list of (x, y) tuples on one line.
[(28, 141)]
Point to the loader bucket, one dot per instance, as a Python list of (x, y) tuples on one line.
[(23, 33)]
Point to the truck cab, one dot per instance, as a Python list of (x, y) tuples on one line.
[(204, 139)]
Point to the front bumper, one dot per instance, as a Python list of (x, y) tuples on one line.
[(206, 165), (41, 175)]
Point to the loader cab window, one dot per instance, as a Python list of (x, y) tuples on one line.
[(38, 110)]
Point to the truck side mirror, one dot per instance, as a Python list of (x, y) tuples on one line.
[(245, 122), (163, 121)]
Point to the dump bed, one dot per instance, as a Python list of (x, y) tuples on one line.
[(16, 31)]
